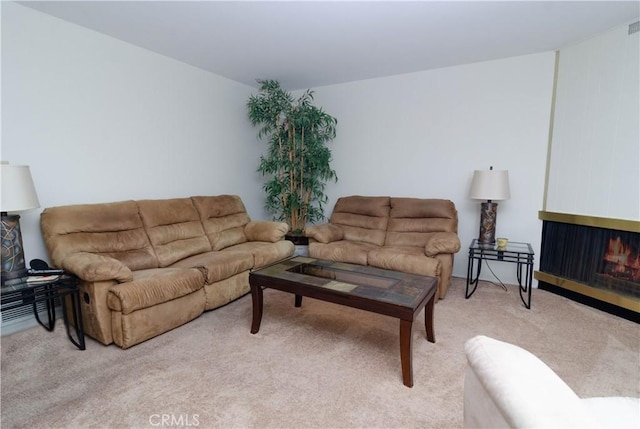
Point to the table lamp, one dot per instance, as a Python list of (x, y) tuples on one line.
[(490, 185), (18, 194)]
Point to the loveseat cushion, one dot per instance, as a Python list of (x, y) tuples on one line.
[(352, 252), (362, 219), (223, 218), (442, 242), (153, 287), (113, 230), (324, 233), (413, 221), (174, 229), (407, 259)]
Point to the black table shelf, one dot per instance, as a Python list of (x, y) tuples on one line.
[(517, 253), (20, 293)]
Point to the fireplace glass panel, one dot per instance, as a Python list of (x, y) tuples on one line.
[(599, 257)]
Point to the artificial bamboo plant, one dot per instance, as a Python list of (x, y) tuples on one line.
[(297, 159)]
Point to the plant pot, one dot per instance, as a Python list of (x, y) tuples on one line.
[(301, 242), (298, 240)]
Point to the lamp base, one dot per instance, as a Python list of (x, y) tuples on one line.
[(12, 249), (488, 214)]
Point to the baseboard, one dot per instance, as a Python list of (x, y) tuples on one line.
[(26, 322)]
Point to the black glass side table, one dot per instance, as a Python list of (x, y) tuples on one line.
[(20, 293), (520, 254)]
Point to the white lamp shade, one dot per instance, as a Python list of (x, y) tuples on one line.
[(490, 185), (18, 191)]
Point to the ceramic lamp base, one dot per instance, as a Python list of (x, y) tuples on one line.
[(488, 214), (12, 250)]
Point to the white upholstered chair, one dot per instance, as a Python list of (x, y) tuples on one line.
[(508, 387)]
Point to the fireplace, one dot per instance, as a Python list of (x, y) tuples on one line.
[(620, 267), (595, 261)]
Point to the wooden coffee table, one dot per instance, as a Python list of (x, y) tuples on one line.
[(391, 293)]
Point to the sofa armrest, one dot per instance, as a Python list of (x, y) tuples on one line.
[(93, 268), (265, 231), (442, 242), (324, 233)]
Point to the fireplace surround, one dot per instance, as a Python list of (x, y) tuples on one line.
[(592, 260)]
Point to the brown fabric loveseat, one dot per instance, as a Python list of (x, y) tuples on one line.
[(149, 266), (412, 235)]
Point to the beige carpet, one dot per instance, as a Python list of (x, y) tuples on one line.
[(321, 365)]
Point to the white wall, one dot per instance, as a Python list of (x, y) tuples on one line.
[(101, 120), (423, 134), (595, 153)]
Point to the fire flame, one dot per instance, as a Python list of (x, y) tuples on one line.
[(619, 253)]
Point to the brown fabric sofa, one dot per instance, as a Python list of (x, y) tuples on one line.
[(413, 235), (149, 266)]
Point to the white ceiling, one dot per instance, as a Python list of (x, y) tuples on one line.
[(308, 44)]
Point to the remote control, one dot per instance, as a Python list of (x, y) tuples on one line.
[(47, 272)]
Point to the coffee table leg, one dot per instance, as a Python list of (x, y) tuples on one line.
[(428, 320), (406, 353), (298, 300), (256, 298)]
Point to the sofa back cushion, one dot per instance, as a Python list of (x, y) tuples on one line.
[(362, 218), (414, 220), (223, 218), (113, 229), (174, 229)]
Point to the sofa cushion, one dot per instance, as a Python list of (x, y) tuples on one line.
[(218, 265), (113, 230), (153, 287), (265, 231), (141, 325), (223, 218), (353, 252), (174, 229), (96, 314), (413, 221), (92, 268), (362, 219), (227, 290), (265, 253), (407, 259)]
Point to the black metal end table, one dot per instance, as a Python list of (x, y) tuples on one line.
[(20, 292), (514, 252)]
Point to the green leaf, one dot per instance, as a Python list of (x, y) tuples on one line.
[(296, 163)]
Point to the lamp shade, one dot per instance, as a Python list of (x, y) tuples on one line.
[(18, 191), (490, 185)]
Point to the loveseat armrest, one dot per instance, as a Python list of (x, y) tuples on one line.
[(442, 242), (265, 230), (94, 268), (324, 233)]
